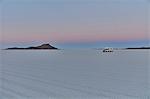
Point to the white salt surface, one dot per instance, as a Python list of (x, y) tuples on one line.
[(74, 74)]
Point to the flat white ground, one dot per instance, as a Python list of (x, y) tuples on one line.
[(74, 74)]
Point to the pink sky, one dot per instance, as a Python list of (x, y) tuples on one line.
[(74, 22)]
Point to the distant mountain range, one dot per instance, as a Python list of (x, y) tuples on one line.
[(48, 46), (138, 48), (43, 46)]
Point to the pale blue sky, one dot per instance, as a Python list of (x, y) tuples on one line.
[(79, 23)]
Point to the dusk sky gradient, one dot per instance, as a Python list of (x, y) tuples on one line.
[(75, 23)]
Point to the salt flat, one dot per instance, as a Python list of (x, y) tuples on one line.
[(74, 74)]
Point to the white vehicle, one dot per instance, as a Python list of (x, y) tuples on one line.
[(108, 49)]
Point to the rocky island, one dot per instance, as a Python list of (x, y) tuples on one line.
[(43, 46)]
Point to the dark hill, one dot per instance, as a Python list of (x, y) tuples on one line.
[(43, 46), (139, 48)]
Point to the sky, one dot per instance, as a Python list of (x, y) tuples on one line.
[(75, 23)]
